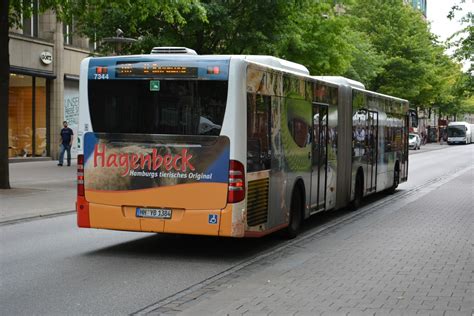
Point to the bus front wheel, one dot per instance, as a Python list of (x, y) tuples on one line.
[(396, 181)]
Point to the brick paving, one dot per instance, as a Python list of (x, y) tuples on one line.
[(414, 260), (39, 188)]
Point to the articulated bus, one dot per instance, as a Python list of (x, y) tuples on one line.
[(237, 145)]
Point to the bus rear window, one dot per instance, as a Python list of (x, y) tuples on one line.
[(176, 107)]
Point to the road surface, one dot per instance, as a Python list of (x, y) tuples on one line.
[(49, 266)]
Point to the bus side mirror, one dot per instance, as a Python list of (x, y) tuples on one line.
[(413, 116)]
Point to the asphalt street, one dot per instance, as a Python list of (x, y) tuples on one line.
[(49, 266)]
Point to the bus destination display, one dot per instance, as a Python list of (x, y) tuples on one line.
[(154, 70)]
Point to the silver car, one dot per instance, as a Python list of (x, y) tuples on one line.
[(414, 141)]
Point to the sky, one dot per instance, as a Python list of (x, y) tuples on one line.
[(437, 11)]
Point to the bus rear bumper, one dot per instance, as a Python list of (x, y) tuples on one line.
[(195, 222)]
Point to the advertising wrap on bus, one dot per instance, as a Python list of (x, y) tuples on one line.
[(156, 170), (231, 145)]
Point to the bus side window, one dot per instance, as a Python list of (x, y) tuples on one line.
[(258, 132)]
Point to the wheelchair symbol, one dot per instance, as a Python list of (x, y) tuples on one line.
[(212, 218)]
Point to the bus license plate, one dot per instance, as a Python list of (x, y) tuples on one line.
[(163, 213)]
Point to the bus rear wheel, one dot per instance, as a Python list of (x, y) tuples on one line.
[(296, 215)]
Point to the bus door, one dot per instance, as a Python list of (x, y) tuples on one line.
[(372, 150), (319, 156)]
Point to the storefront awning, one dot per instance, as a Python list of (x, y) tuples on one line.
[(32, 72)]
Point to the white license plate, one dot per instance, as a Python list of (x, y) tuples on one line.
[(163, 213)]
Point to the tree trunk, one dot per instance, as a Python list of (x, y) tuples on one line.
[(4, 81)]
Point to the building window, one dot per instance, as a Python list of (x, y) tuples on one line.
[(30, 23), (68, 33), (93, 43), (27, 130)]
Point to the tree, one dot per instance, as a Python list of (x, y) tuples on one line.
[(463, 40), (463, 44), (318, 38), (208, 26), (88, 14), (366, 62), (10, 15), (4, 78), (148, 20), (415, 66), (308, 32), (233, 27)]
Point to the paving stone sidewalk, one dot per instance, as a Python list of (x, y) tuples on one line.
[(417, 260), (39, 188)]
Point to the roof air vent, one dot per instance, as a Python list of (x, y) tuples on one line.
[(173, 50)]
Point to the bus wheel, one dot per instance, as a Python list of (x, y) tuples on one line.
[(396, 181), (296, 217), (359, 192)]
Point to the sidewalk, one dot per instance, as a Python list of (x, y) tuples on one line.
[(39, 188), (414, 256)]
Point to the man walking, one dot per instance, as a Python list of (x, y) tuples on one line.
[(66, 142)]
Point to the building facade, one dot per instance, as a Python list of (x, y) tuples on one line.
[(420, 5), (45, 59)]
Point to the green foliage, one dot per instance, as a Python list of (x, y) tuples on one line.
[(463, 40), (383, 43), (316, 38), (231, 27), (399, 33), (25, 8), (366, 61), (142, 19), (415, 66)]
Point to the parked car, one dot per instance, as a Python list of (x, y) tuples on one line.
[(414, 141)]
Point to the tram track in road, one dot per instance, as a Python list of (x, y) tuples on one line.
[(204, 288)]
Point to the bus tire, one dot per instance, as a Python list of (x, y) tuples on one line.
[(396, 180), (296, 215), (359, 192)]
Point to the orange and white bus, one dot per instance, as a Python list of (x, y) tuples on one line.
[(236, 145)]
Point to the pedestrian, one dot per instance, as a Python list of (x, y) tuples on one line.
[(66, 143)]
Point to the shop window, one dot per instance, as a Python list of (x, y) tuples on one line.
[(27, 130), (20, 114), (40, 117)]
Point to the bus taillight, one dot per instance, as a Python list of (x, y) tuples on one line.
[(80, 175), (236, 182)]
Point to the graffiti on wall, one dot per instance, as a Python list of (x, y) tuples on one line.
[(71, 114)]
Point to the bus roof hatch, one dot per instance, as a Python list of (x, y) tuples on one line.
[(173, 50)]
